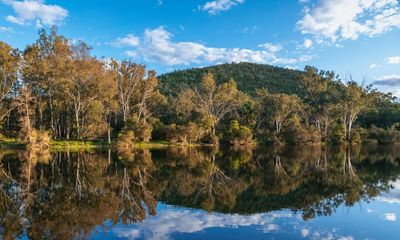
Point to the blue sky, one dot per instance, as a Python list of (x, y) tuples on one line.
[(357, 37)]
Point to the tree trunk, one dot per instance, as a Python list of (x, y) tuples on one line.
[(77, 124), (109, 134)]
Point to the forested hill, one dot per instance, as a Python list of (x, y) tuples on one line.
[(249, 77)]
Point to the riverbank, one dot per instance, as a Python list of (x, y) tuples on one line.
[(91, 144), (11, 143)]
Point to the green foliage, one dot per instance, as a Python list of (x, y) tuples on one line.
[(249, 77), (190, 133), (126, 139), (296, 133), (338, 134), (238, 135), (391, 135), (356, 136), (141, 129)]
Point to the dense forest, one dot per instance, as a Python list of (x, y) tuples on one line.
[(55, 89)]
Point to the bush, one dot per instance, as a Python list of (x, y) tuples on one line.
[(338, 134), (392, 135), (125, 139), (142, 130), (190, 133), (36, 139), (355, 137), (212, 139), (183, 134), (238, 135), (296, 133)]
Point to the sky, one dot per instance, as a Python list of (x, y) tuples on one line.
[(358, 38)]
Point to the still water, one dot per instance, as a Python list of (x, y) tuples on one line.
[(202, 193)]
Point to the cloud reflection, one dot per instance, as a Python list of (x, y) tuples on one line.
[(171, 221)]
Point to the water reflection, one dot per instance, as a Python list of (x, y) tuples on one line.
[(71, 195)]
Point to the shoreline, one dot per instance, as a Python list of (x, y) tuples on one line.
[(93, 144)]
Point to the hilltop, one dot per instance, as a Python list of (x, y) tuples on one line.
[(249, 77)]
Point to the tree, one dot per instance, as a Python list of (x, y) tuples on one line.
[(128, 77), (184, 104), (9, 66), (278, 107), (149, 96), (24, 102), (355, 99), (81, 87), (45, 66), (321, 97), (216, 101), (108, 91)]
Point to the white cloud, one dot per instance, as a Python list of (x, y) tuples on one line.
[(390, 217), (251, 29), (217, 6), (270, 228), (389, 83), (308, 43), (5, 29), (168, 222), (35, 11), (171, 221), (128, 41), (389, 80), (393, 60), (346, 238), (304, 232), (157, 46), (393, 196), (271, 47), (336, 20), (372, 66)]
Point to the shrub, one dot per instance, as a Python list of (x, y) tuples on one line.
[(355, 136), (211, 138), (142, 130), (338, 134), (392, 135), (190, 133), (183, 134), (125, 139), (238, 135), (296, 133)]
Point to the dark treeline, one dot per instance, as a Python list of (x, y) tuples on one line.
[(65, 195), (55, 89)]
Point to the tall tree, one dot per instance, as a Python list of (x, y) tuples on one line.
[(278, 107), (108, 97), (24, 102), (355, 99), (148, 95), (81, 87), (215, 101), (9, 66), (321, 97), (45, 66), (128, 78)]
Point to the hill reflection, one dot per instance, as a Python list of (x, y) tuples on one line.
[(65, 195)]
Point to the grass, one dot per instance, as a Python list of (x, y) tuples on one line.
[(77, 144), (12, 143)]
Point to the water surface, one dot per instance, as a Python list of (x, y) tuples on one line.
[(202, 193)]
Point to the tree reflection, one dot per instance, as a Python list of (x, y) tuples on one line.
[(65, 195)]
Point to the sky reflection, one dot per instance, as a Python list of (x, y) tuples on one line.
[(377, 219)]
